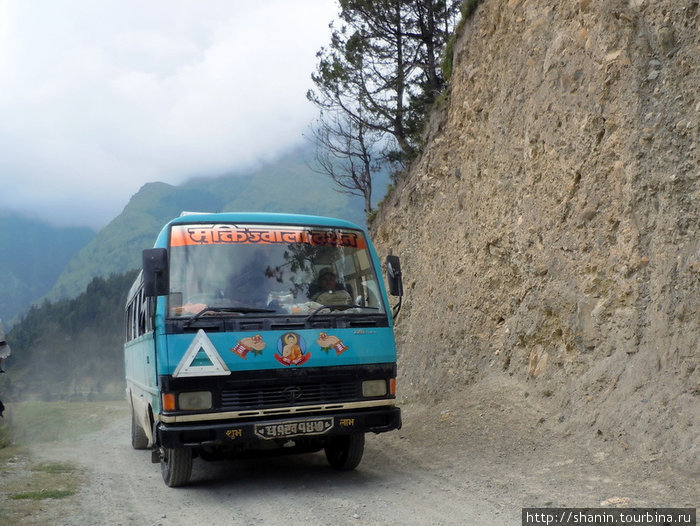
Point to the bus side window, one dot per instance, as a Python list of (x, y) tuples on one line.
[(131, 327), (142, 314), (127, 328), (139, 315), (150, 307)]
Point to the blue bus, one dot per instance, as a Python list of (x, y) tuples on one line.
[(251, 334)]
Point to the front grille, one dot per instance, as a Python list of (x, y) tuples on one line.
[(264, 397)]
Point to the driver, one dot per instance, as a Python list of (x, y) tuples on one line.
[(330, 292)]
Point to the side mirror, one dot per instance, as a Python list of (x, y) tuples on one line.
[(393, 275), (156, 278)]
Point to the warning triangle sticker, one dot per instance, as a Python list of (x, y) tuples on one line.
[(201, 359)]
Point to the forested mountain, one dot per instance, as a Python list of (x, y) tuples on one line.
[(70, 348), (32, 256), (287, 185)]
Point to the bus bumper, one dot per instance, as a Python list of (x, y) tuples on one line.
[(258, 433)]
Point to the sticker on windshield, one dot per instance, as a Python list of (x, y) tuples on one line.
[(291, 349)]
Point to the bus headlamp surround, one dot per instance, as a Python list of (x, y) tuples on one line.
[(194, 400), (374, 388)]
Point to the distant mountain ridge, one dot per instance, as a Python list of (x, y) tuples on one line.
[(32, 256), (286, 185)]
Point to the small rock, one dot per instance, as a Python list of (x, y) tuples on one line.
[(616, 501), (666, 39)]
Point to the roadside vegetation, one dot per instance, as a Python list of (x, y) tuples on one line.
[(386, 67), (70, 349)]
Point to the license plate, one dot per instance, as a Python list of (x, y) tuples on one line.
[(290, 429)]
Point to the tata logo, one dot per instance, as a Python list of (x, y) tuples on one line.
[(292, 394)]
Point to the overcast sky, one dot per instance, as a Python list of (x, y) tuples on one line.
[(98, 97)]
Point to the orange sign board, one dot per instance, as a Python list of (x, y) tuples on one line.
[(219, 234)]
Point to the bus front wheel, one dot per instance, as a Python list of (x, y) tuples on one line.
[(176, 466), (344, 452)]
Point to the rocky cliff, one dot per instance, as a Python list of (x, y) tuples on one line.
[(550, 231)]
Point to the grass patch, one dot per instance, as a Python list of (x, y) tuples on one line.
[(54, 468), (36, 422), (38, 493), (43, 494)]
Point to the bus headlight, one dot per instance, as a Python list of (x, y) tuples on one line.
[(373, 388), (194, 400)]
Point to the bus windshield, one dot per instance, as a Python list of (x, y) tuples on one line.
[(276, 269)]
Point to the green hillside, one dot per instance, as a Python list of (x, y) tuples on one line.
[(70, 348), (287, 185)]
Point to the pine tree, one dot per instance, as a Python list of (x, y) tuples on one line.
[(375, 84)]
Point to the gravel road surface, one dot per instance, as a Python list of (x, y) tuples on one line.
[(476, 459)]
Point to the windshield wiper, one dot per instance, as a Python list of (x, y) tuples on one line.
[(336, 307), (237, 310)]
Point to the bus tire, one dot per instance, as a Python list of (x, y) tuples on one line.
[(344, 452), (139, 439), (176, 466)]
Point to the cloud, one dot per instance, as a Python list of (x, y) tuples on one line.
[(98, 98)]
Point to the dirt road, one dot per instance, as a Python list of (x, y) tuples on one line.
[(477, 459)]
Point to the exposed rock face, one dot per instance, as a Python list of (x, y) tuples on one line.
[(550, 232)]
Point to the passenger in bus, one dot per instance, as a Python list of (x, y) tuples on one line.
[(328, 291)]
